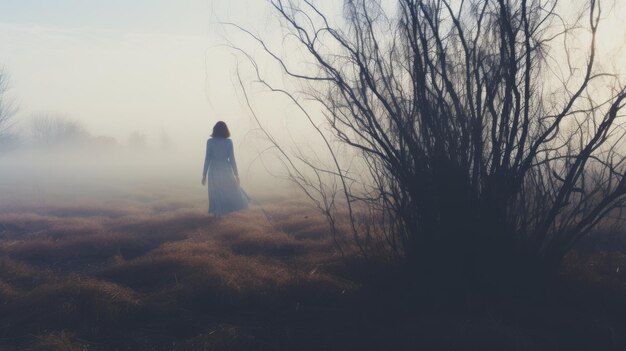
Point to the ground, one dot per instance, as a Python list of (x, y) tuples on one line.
[(144, 269)]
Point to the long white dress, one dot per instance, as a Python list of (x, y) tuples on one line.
[(225, 195)]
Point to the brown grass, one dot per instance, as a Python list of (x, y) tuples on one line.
[(58, 341), (154, 272), (82, 270), (7, 293)]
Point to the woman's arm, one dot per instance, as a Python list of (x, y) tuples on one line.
[(207, 162), (231, 157)]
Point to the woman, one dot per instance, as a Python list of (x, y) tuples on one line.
[(225, 194)]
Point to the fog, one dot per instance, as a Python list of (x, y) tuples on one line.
[(105, 239), (159, 70), (153, 70)]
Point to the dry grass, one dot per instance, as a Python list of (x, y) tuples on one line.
[(58, 341), (89, 270), (7, 293), (154, 272), (74, 302)]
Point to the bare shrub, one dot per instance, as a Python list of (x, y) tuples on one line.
[(485, 145)]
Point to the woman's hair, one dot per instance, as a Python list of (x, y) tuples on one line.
[(220, 130)]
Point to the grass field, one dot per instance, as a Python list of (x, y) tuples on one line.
[(143, 268)]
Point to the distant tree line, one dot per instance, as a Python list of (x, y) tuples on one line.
[(54, 131), (7, 110)]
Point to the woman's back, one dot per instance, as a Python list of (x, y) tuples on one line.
[(225, 195), (220, 149)]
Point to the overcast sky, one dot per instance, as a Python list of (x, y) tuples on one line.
[(119, 65), (140, 65)]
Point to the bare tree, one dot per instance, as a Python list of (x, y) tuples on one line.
[(7, 109), (137, 140), (56, 131), (488, 145), (165, 141)]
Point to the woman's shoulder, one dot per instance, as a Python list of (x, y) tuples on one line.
[(219, 140)]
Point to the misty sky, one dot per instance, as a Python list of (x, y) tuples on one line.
[(120, 66), (144, 65)]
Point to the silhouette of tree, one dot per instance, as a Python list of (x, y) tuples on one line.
[(165, 141), (7, 109), (137, 140), (489, 147), (48, 130)]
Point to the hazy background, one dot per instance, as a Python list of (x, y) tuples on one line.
[(152, 68), (121, 66), (158, 68)]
